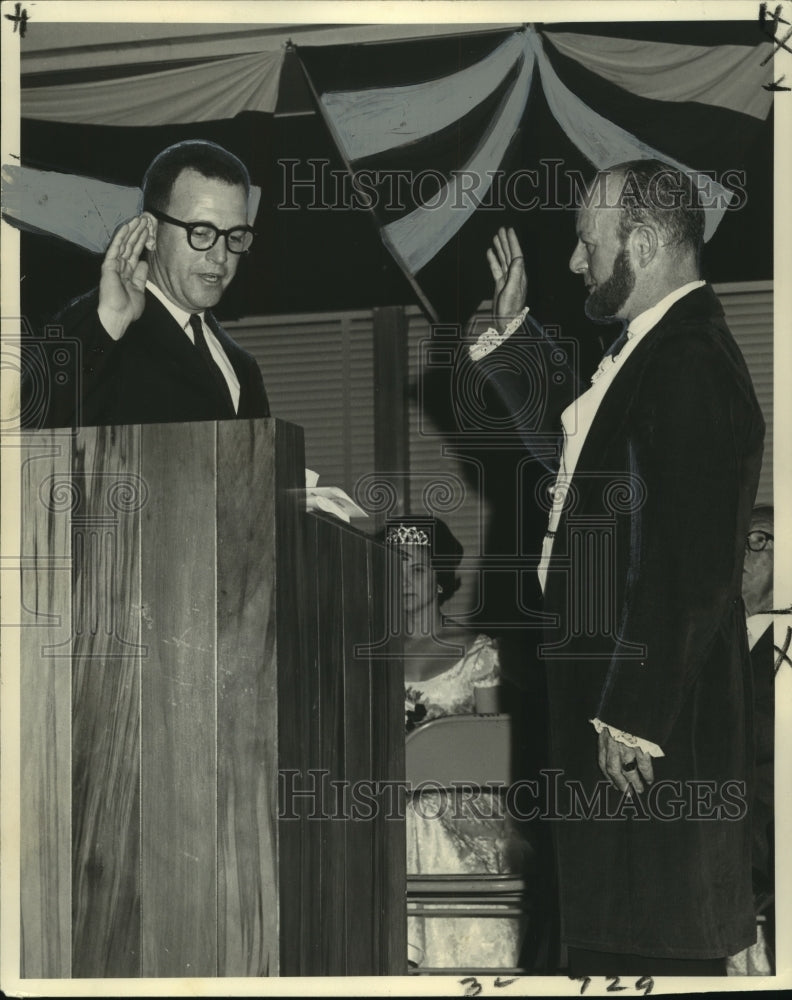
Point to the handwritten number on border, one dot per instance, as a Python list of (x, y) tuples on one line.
[(645, 984)]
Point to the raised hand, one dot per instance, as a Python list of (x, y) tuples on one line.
[(123, 283), (507, 265)]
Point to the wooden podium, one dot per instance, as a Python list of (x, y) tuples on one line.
[(199, 660)]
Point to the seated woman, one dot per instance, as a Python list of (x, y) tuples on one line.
[(443, 666)]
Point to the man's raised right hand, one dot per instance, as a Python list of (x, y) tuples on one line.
[(507, 266), (123, 283)]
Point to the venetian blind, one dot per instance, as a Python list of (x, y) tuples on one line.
[(440, 483), (748, 307), (318, 371)]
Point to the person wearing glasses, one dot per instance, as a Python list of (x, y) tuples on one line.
[(757, 594), (149, 348), (757, 581)]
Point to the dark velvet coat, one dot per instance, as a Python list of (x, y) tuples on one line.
[(644, 590), (153, 374), (762, 659)]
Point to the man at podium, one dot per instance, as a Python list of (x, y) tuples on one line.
[(144, 346)]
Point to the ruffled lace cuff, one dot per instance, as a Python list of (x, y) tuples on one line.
[(491, 339), (628, 739)]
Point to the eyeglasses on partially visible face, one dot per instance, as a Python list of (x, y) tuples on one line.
[(203, 235), (757, 540)]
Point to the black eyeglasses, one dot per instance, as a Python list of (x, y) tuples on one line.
[(757, 540), (203, 235)]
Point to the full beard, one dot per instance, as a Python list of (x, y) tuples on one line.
[(605, 302)]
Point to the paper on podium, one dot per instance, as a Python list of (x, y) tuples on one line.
[(330, 499)]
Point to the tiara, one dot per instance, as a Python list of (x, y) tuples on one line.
[(407, 536)]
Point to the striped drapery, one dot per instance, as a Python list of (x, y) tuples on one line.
[(485, 107), (459, 118), (205, 90)]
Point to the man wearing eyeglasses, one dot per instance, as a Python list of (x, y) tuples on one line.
[(757, 594), (757, 582), (150, 349)]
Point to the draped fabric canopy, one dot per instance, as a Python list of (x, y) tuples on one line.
[(457, 115), (202, 92), (728, 76), (375, 123)]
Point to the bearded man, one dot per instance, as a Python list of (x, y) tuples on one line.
[(648, 670)]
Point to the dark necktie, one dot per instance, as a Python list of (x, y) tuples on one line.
[(206, 354), (617, 344)]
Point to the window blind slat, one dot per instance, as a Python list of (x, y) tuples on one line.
[(318, 370), (749, 314)]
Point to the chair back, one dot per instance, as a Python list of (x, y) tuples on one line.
[(461, 748)]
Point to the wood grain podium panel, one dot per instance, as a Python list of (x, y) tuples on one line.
[(178, 702), (247, 708), (192, 635), (387, 749), (332, 728), (45, 707), (106, 703), (358, 762), (299, 841)]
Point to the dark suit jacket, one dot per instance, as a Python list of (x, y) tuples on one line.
[(764, 714), (644, 588), (153, 374)]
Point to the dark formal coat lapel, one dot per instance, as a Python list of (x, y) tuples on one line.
[(613, 412), (172, 345), (172, 342)]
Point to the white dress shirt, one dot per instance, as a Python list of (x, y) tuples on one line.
[(217, 352), (757, 625)]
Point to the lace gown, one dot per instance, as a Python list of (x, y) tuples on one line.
[(451, 836)]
